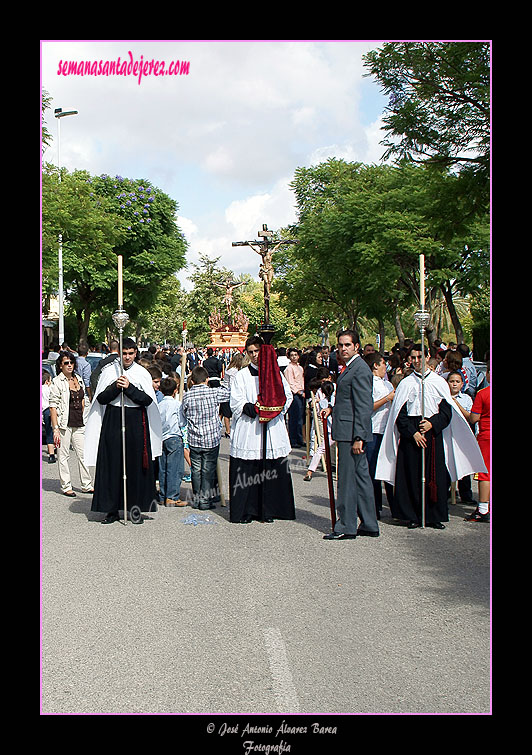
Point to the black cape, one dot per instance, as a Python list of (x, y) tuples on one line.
[(108, 483), (407, 493)]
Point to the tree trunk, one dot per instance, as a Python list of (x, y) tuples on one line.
[(398, 326), (430, 330), (447, 292), (83, 317), (351, 314)]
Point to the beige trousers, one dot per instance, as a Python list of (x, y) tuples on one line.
[(76, 437)]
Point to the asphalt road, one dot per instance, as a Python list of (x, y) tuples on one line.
[(219, 618)]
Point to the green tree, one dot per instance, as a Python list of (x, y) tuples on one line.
[(288, 326), (90, 232), (361, 230), (154, 247), (164, 321), (205, 297), (46, 137), (439, 107), (99, 218)]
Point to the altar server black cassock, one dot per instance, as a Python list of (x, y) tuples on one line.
[(260, 488), (451, 451), (103, 439)]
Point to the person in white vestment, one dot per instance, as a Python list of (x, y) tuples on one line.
[(143, 435), (260, 479), (451, 450)]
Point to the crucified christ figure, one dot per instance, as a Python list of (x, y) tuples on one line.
[(229, 287), (266, 272), (266, 269)]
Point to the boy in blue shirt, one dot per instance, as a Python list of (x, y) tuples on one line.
[(172, 460)]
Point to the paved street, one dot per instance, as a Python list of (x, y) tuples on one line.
[(219, 618)]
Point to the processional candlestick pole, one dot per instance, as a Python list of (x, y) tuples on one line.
[(120, 319), (422, 319), (184, 334)]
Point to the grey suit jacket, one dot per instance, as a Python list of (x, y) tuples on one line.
[(353, 406)]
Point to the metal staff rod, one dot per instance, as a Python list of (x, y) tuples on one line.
[(329, 472), (316, 426), (422, 318), (120, 319)]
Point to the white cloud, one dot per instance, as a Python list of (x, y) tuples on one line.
[(303, 116), (225, 140), (375, 134), (219, 162), (188, 226), (275, 208)]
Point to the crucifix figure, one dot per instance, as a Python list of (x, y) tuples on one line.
[(228, 298), (263, 248)]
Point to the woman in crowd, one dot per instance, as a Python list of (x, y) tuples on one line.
[(237, 362), (66, 401)]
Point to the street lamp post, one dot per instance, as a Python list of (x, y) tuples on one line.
[(58, 112)]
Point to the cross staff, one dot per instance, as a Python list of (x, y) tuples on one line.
[(229, 286), (263, 247)]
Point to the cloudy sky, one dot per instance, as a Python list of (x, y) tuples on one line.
[(223, 140)]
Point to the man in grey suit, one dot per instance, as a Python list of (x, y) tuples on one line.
[(351, 429)]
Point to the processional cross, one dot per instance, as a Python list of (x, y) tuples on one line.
[(229, 287), (263, 248)]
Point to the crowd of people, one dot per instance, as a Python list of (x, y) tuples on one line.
[(177, 404)]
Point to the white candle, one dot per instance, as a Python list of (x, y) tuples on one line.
[(120, 290), (422, 280)]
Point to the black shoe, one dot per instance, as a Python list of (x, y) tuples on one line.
[(413, 525), (436, 525), (247, 520), (338, 536), (204, 506), (367, 533), (267, 520), (110, 518), (52, 459), (476, 516)]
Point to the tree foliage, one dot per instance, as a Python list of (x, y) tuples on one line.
[(439, 101), (164, 320), (46, 137), (99, 218), (205, 297), (361, 230)]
